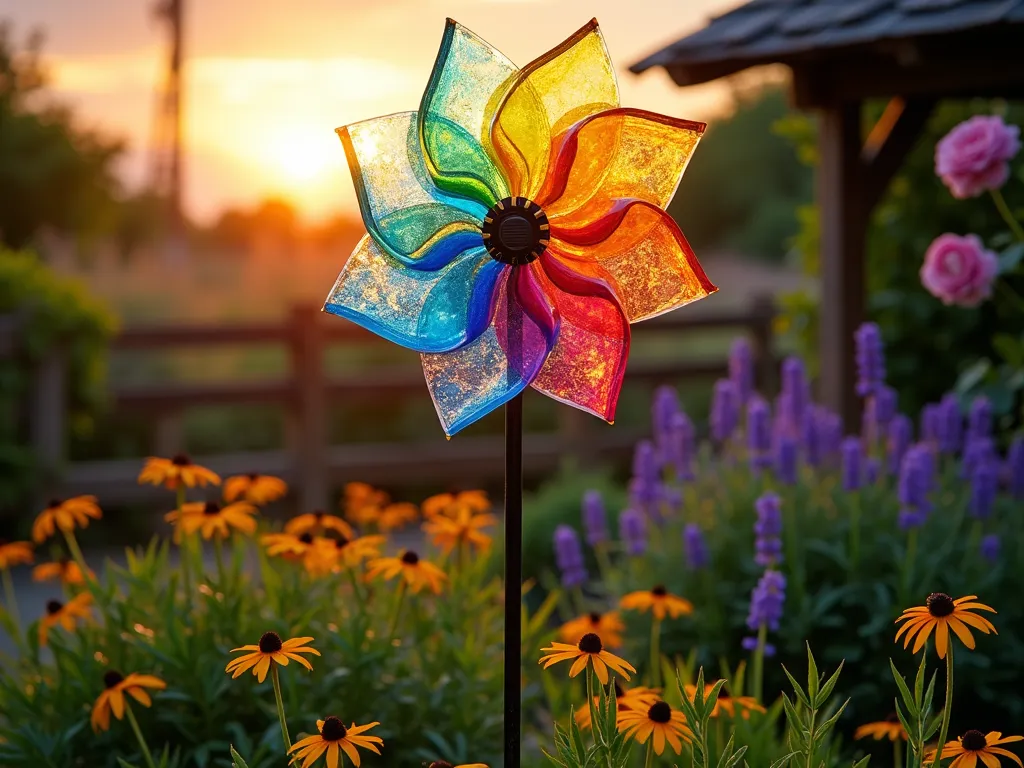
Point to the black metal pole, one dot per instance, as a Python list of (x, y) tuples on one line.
[(513, 576)]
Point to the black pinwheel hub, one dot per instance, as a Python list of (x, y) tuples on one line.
[(515, 231)]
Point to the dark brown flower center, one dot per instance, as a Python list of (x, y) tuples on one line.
[(53, 503), (515, 231), (973, 741), (253, 477), (211, 508), (660, 712), (595, 618), (112, 677), (4, 542), (410, 558), (270, 642), (590, 643), (939, 604), (440, 764), (659, 591), (333, 730), (54, 606), (181, 460), (306, 538), (318, 515), (340, 541)]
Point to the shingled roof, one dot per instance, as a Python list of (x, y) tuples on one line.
[(793, 31)]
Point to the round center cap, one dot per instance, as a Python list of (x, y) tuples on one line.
[(515, 231)]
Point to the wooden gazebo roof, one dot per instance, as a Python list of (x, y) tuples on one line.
[(841, 52)]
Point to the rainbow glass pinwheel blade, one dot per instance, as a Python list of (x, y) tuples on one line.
[(516, 226)]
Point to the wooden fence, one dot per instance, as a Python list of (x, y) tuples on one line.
[(311, 465)]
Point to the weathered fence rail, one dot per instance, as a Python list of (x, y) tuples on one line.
[(306, 393)]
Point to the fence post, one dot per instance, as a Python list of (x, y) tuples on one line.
[(762, 317), (48, 404), (308, 432)]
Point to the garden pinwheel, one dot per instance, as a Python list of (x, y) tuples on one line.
[(516, 226)]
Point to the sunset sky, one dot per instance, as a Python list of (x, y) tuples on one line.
[(269, 80)]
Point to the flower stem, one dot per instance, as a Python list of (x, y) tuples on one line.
[(762, 640), (10, 601), (218, 553), (138, 735), (398, 610), (944, 728), (897, 753), (355, 586), (183, 547), (79, 558), (649, 760), (275, 678), (656, 653), (1007, 214)]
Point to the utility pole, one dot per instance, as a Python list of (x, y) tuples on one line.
[(167, 168)]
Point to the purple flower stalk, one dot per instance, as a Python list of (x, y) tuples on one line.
[(795, 397), (810, 438), (931, 423), (645, 462), (917, 475), (663, 408), (741, 369), (870, 359), (951, 424), (633, 532), (750, 644), (681, 446), (978, 451), (569, 557), (768, 529), (786, 459), (872, 471), (595, 521), (695, 548), (643, 495), (989, 547), (979, 419), (830, 432), (759, 433), (1015, 467), (878, 412), (851, 456), (984, 486), (668, 502), (724, 410), (766, 601), (901, 433)]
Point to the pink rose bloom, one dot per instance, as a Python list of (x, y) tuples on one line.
[(959, 270), (973, 157)]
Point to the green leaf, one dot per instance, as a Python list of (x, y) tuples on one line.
[(797, 689), (822, 730), (236, 759), (812, 678), (908, 699), (1009, 348), (125, 764), (783, 760), (1010, 258), (863, 761), (973, 376), (827, 688)]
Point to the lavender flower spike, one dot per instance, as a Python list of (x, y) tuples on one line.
[(766, 601), (663, 408), (569, 556), (990, 546), (768, 529), (786, 460), (951, 426), (901, 433), (795, 397), (645, 462), (724, 410), (695, 548), (633, 532), (984, 486), (595, 521), (870, 359), (759, 433), (741, 369), (851, 455), (979, 419), (681, 446)]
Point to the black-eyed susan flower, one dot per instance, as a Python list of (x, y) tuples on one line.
[(176, 472), (14, 553), (270, 650), (318, 523), (974, 747), (113, 697), (464, 528), (65, 569), (416, 573), (589, 650), (659, 601), (254, 488), (607, 626), (658, 722), (446, 764), (452, 504), (65, 515), (625, 698), (890, 728), (287, 545), (942, 613), (211, 519), (397, 515), (331, 554), (333, 738), (362, 503), (728, 704), (64, 615)]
